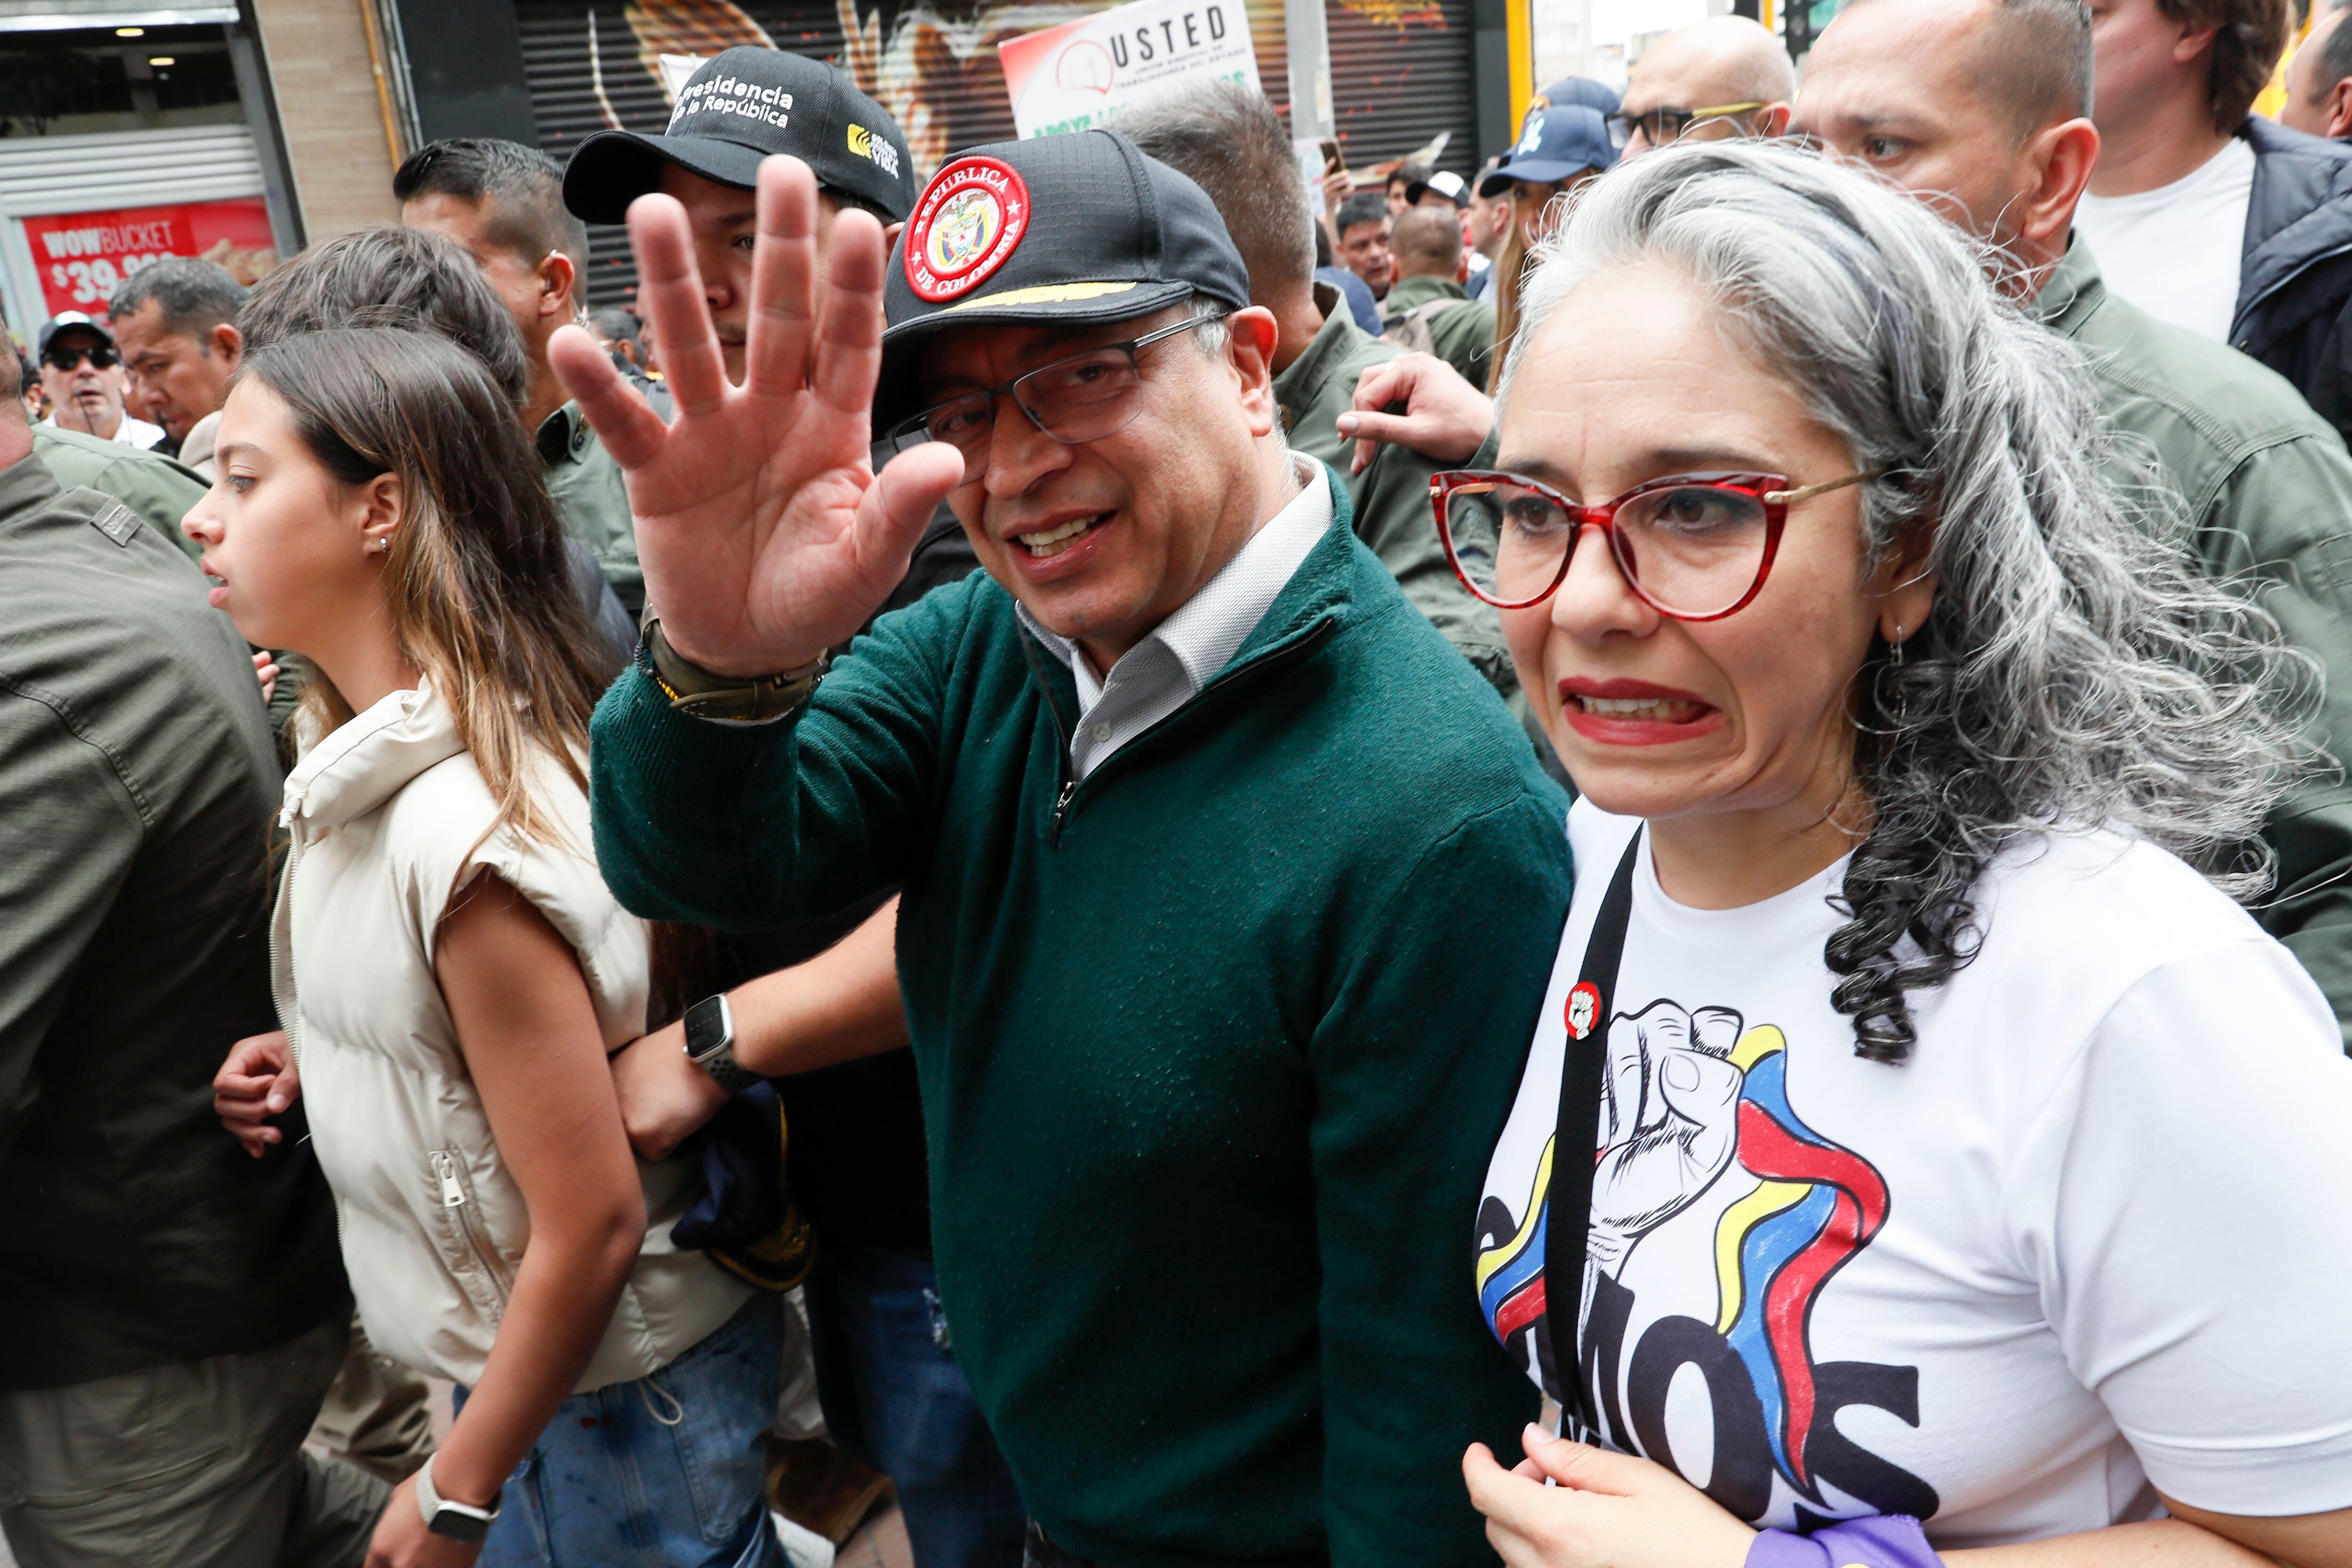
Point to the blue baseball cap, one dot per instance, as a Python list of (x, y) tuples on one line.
[(1570, 91), (1558, 142)]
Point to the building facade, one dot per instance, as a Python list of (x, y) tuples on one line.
[(243, 131)]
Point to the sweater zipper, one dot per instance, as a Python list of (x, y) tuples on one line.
[(281, 962), (1280, 653), (455, 1198)]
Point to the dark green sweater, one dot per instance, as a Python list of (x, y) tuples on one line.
[(1211, 1069)]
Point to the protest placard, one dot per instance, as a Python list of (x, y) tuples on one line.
[(1083, 73)]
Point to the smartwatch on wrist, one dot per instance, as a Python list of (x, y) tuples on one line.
[(710, 1044), (458, 1520)]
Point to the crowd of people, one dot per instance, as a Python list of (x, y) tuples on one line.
[(1010, 842)]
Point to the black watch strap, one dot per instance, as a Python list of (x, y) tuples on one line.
[(725, 699)]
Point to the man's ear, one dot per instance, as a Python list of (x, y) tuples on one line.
[(225, 343), (557, 279), (1250, 339), (2193, 39), (2061, 157), (2339, 106), (890, 232)]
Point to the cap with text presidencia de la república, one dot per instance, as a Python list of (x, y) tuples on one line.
[(741, 106), (1057, 231)]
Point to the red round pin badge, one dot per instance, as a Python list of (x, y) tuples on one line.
[(1583, 1009), (967, 223)]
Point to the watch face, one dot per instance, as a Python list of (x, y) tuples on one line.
[(467, 1526), (709, 1026)]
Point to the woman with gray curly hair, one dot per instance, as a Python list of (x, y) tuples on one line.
[(1915, 1131)]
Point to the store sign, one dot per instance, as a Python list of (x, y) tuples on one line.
[(83, 256), (1083, 73)]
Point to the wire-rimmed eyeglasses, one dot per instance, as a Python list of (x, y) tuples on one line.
[(1664, 127), (1080, 399)]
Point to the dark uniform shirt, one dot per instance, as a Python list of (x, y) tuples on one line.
[(855, 1157), (592, 501), (1461, 329), (1391, 495)]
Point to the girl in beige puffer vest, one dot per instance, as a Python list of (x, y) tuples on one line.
[(452, 972)]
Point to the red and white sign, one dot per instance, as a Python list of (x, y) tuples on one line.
[(1084, 72), (966, 225), (83, 256)]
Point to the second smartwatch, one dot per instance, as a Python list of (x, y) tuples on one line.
[(710, 1044)]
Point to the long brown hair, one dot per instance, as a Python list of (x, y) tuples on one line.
[(1510, 269), (476, 577)]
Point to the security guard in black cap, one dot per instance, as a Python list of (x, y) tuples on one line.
[(855, 1155), (1231, 890), (740, 106)]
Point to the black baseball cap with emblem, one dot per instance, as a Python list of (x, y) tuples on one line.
[(1057, 231), (740, 106)]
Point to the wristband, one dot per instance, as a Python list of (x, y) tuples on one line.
[(1883, 1541), (725, 699)]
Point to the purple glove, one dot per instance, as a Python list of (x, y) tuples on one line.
[(1887, 1540)]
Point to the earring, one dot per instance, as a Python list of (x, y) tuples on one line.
[(1894, 648)]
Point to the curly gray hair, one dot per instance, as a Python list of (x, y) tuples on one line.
[(2078, 669)]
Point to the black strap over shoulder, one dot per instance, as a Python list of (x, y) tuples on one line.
[(1569, 1200)]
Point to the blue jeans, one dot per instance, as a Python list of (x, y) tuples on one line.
[(894, 1398), (666, 1470)]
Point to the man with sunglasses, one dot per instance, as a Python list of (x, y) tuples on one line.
[(83, 374), (1721, 78), (1218, 863)]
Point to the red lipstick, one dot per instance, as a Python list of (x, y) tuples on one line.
[(1635, 713)]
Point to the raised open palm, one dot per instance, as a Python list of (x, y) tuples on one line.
[(766, 534)]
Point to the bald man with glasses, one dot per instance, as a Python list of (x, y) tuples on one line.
[(1721, 78)]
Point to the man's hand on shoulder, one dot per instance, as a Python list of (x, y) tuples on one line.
[(766, 534), (1445, 418)]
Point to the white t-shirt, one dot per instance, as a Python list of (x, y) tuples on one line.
[(2095, 1234), (2174, 251), (130, 431)]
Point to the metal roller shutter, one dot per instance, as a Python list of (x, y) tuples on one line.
[(1400, 78), (128, 168), (590, 66)]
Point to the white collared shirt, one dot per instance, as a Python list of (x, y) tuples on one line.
[(130, 431), (1168, 668)]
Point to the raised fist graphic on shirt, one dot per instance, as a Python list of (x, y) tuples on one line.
[(1669, 1105)]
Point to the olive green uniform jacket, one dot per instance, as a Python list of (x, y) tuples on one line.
[(139, 785), (152, 486), (592, 501), (1461, 334), (1391, 495), (159, 491), (2269, 485)]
